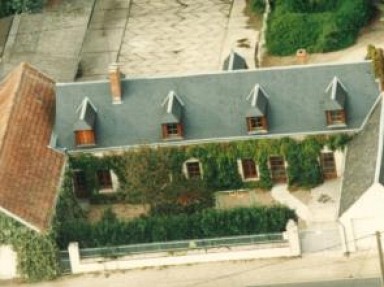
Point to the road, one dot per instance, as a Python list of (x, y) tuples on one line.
[(368, 282)]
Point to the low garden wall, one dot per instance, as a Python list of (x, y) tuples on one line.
[(288, 246)]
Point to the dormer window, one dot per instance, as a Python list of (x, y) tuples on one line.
[(336, 117), (85, 137), (84, 126), (255, 124), (256, 116), (336, 95), (172, 130), (171, 122)]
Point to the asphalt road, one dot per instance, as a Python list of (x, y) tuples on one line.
[(369, 282)]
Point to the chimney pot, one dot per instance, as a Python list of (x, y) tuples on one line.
[(301, 56), (115, 83)]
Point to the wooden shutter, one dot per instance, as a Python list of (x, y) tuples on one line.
[(264, 123), (85, 137), (180, 131), (329, 117), (164, 131)]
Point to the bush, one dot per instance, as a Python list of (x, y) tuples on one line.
[(258, 6), (316, 25), (8, 7), (210, 223)]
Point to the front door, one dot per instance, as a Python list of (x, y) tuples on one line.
[(328, 165), (277, 165)]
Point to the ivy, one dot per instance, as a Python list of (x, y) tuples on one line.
[(36, 253), (144, 174)]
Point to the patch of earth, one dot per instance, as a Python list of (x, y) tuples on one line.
[(303, 195), (122, 210), (243, 198)]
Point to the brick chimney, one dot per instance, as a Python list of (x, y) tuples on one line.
[(115, 83), (301, 56)]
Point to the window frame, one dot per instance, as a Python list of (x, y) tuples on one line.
[(243, 165), (186, 170), (257, 124), (79, 184), (336, 117), (104, 179), (166, 127)]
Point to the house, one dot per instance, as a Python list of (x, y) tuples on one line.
[(238, 105), (41, 122), (30, 171)]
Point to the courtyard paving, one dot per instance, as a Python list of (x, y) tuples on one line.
[(156, 37)]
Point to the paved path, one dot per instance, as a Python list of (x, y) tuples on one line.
[(325, 266), (173, 36), (51, 40), (104, 37), (369, 282)]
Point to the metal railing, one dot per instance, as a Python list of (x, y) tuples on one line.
[(184, 245)]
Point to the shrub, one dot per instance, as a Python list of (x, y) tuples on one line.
[(207, 224), (8, 7), (317, 25)]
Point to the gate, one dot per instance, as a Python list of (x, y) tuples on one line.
[(318, 240)]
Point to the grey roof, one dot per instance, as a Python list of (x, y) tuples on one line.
[(258, 102), (215, 104), (234, 62), (173, 108), (86, 116), (359, 173), (335, 95)]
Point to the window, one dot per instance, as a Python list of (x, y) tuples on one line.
[(172, 130), (328, 165), (84, 138), (104, 179), (335, 117), (277, 166), (249, 169), (193, 169), (256, 124), (80, 184)]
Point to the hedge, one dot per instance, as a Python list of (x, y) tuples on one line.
[(318, 26), (110, 231)]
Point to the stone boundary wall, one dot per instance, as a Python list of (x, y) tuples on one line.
[(290, 247), (261, 43)]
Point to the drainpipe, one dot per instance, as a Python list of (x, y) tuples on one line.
[(344, 235)]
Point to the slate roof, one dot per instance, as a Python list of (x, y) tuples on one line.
[(30, 172), (361, 161), (216, 104)]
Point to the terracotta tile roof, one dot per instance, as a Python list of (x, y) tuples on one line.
[(30, 171)]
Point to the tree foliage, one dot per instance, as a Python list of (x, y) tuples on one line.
[(9, 7), (316, 25)]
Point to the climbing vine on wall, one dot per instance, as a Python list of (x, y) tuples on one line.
[(36, 253), (146, 166)]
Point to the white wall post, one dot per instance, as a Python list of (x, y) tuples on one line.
[(74, 257), (292, 234)]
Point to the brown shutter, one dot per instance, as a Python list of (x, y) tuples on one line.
[(343, 116), (248, 124), (180, 131), (164, 131), (85, 137), (329, 118), (264, 123)]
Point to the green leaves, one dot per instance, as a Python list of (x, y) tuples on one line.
[(207, 224), (316, 25)]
